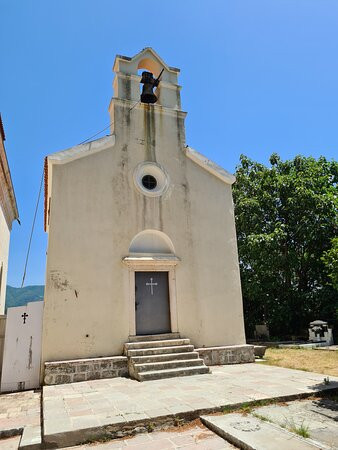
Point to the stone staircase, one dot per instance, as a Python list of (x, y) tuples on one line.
[(160, 356)]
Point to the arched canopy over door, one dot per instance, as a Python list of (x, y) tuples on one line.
[(152, 241)]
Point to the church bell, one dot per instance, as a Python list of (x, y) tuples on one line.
[(149, 83)]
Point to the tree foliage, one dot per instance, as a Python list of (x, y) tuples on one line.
[(286, 219), (330, 259)]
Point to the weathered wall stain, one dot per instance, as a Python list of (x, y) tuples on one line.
[(127, 86), (149, 133), (119, 183), (143, 212), (180, 130), (160, 213), (178, 98), (30, 353), (124, 156), (59, 281), (140, 141)]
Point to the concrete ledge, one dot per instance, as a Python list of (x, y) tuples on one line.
[(228, 354), (61, 372)]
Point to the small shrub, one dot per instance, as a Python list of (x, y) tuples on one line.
[(302, 430), (150, 427), (260, 417)]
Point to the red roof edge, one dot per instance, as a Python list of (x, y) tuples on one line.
[(2, 131)]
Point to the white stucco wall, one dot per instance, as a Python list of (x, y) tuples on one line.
[(95, 213), (4, 249), (8, 213), (22, 350)]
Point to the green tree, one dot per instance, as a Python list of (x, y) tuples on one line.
[(330, 259), (286, 219)]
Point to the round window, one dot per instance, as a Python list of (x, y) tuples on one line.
[(149, 182), (151, 179)]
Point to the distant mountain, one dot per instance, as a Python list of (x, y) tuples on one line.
[(21, 296)]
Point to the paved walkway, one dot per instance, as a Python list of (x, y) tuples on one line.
[(75, 412), (20, 415), (11, 443), (19, 410)]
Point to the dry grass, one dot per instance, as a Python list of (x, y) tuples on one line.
[(320, 361)]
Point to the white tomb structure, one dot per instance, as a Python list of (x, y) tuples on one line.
[(22, 350), (320, 332)]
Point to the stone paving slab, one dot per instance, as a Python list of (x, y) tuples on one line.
[(197, 437), (319, 416), (19, 410), (31, 438), (250, 433), (75, 412), (11, 443)]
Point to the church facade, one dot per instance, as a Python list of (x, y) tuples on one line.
[(141, 228)]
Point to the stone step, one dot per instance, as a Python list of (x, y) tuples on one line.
[(153, 344), (159, 350), (164, 365), (164, 357), (154, 337), (169, 373)]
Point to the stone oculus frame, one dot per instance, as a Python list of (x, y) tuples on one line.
[(163, 263)]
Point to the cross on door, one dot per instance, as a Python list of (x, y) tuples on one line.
[(151, 284), (24, 316)]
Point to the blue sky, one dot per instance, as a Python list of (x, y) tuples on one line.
[(258, 76)]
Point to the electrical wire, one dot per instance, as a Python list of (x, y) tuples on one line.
[(104, 129), (32, 230), (39, 195)]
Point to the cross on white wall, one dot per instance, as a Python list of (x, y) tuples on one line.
[(24, 316), (151, 284)]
